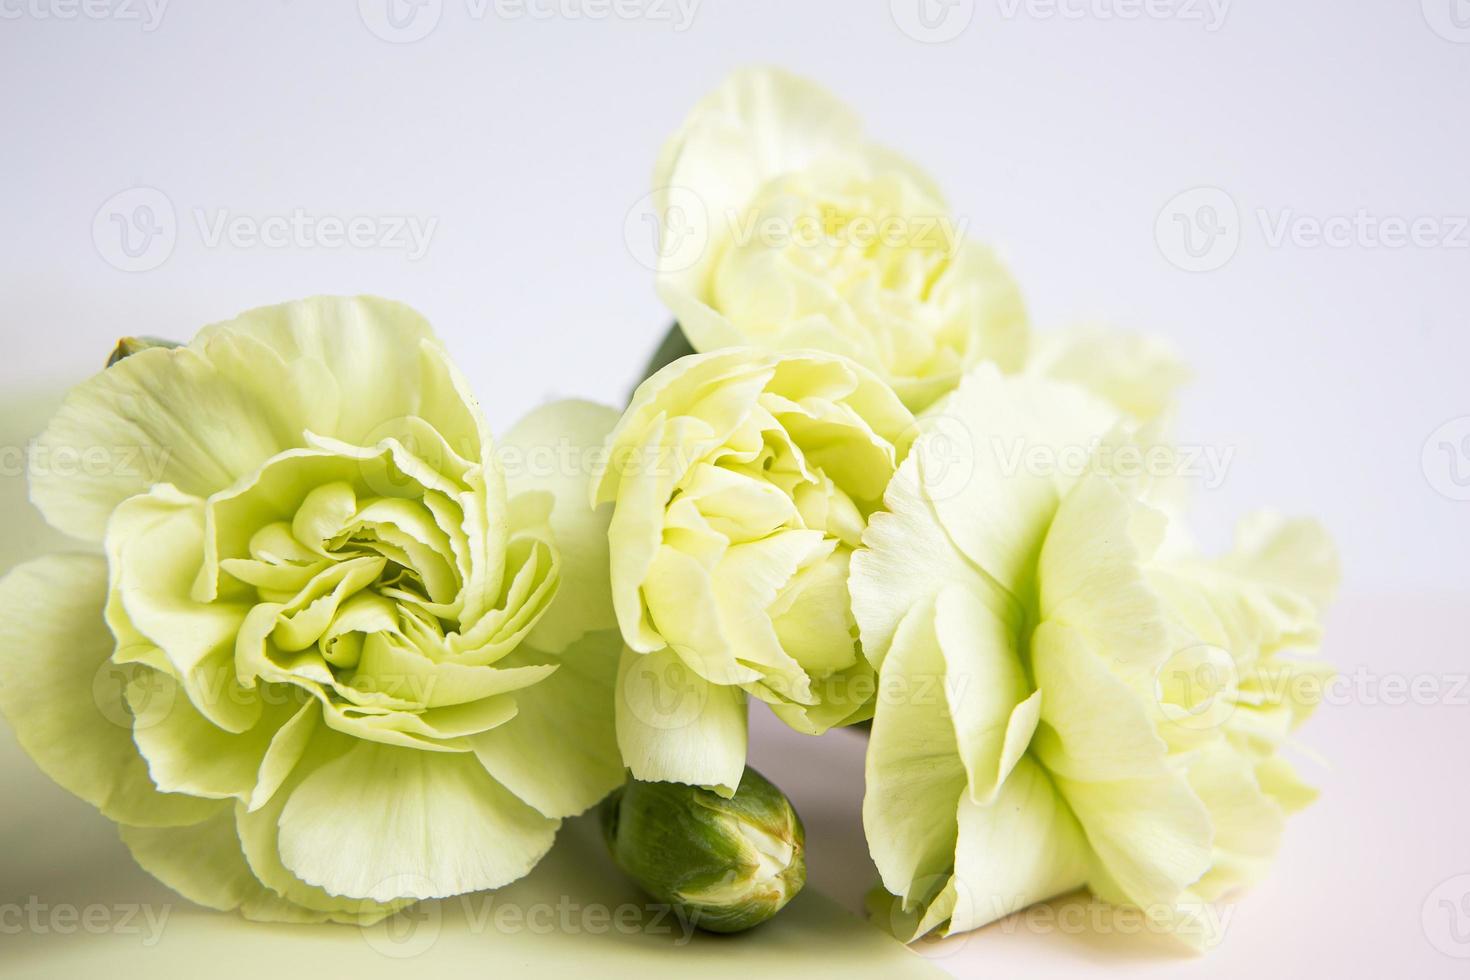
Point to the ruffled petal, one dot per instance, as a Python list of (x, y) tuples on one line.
[(559, 753), (1297, 554), (1149, 833), (907, 559), (996, 457), (649, 452), (759, 124), (202, 861), (1092, 578), (203, 416), (24, 413), (1139, 374), (768, 147), (186, 753), (674, 726), (66, 701), (778, 122), (844, 697), (259, 836), (993, 710), (372, 363), (1248, 822), (155, 546), (1021, 848), (557, 449), (914, 775), (383, 822)]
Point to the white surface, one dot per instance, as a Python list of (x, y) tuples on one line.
[(528, 142)]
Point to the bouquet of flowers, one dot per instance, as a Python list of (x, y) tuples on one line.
[(334, 650)]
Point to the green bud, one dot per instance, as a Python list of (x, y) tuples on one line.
[(129, 346), (726, 864)]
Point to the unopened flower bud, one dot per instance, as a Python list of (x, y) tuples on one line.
[(726, 864)]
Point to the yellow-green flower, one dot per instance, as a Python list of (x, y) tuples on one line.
[(1136, 374), (1060, 704), (741, 482), (784, 228), (332, 657)]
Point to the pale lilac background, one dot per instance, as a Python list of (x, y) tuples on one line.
[(1324, 370)]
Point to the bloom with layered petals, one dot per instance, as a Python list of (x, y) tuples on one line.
[(784, 228), (1106, 716), (333, 657), (741, 482)]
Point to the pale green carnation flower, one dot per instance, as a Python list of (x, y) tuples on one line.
[(1137, 374), (1060, 704), (741, 482), (334, 658), (785, 228)]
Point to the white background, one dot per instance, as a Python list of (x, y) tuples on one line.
[(1060, 133), (1061, 138)]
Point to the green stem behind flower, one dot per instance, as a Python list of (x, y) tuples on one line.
[(128, 346), (674, 346)]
